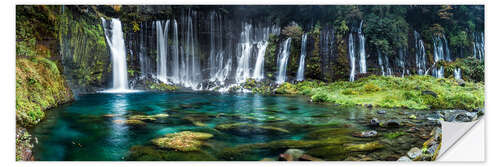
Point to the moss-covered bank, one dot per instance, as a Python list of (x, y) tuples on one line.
[(414, 92)]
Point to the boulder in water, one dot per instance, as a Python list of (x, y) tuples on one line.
[(249, 129), (459, 116)]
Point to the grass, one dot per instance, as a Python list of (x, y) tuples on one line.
[(389, 92)]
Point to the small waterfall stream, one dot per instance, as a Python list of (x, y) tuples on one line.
[(478, 45), (162, 49), (362, 53), (441, 52), (419, 54), (118, 56), (457, 73), (303, 53), (352, 58), (283, 60)]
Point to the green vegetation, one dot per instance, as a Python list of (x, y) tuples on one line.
[(415, 92), (394, 135), (161, 86), (39, 86)]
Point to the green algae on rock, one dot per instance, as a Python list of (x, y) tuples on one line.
[(182, 141)]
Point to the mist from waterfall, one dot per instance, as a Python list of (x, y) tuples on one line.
[(303, 53), (283, 60), (114, 39)]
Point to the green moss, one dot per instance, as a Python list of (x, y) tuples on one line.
[(161, 86), (39, 86), (183, 141), (148, 153), (394, 135), (391, 92)]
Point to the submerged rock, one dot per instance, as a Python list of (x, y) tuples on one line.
[(148, 117), (131, 122), (370, 133), (381, 112), (328, 133), (182, 141), (391, 124), (149, 153), (364, 147), (249, 129)]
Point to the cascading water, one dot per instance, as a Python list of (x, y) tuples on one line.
[(478, 45), (457, 73), (362, 53), (162, 49), (383, 62), (303, 52), (245, 48), (175, 54), (420, 54), (352, 57), (441, 52), (116, 45), (219, 66), (258, 73), (401, 62), (283, 60)]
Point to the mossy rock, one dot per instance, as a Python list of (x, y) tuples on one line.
[(328, 133), (182, 141), (149, 153), (330, 153), (364, 147), (249, 129), (148, 117), (130, 122)]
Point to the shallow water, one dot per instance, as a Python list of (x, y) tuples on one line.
[(87, 130)]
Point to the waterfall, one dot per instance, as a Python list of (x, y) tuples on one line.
[(478, 45), (352, 57), (420, 54), (401, 61), (116, 45), (283, 60), (383, 62), (175, 54), (441, 52), (219, 65), (145, 61), (252, 45), (162, 49), (457, 73), (362, 54), (245, 47), (303, 52)]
